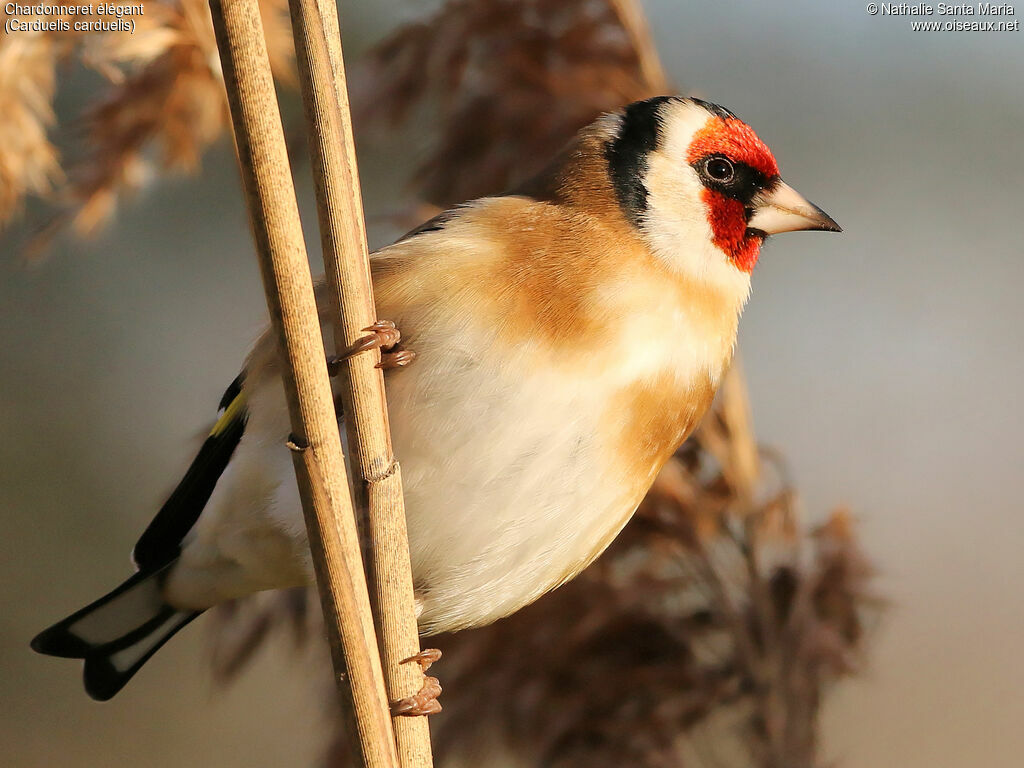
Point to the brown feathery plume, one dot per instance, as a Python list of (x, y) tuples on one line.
[(166, 98), (512, 81), (28, 161), (682, 647)]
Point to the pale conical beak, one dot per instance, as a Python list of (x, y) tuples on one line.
[(786, 210)]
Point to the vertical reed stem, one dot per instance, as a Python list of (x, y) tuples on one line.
[(319, 463), (343, 238)]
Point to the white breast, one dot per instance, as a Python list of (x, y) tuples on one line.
[(509, 487), (499, 463)]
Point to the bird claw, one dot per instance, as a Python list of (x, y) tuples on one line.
[(397, 359), (383, 334), (423, 702), (424, 658)]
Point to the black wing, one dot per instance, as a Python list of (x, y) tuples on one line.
[(161, 541)]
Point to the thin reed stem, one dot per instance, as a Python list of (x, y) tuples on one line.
[(319, 463), (343, 238)]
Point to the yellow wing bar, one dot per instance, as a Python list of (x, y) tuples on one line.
[(231, 413)]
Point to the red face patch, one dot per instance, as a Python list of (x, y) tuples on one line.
[(737, 141), (729, 229)]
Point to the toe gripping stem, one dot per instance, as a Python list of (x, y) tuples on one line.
[(384, 335), (424, 702)]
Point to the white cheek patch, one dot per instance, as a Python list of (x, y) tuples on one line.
[(676, 224)]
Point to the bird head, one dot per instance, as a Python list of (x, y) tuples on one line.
[(701, 187)]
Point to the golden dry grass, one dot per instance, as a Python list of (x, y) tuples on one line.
[(162, 106)]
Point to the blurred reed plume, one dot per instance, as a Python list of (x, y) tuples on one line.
[(512, 81), (555, 65), (163, 104)]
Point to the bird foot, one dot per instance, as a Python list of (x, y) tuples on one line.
[(424, 702), (399, 358), (384, 335)]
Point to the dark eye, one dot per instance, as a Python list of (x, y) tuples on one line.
[(719, 169)]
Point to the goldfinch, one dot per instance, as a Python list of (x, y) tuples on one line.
[(568, 338)]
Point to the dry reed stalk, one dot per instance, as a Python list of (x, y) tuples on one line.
[(316, 442), (634, 22), (346, 261)]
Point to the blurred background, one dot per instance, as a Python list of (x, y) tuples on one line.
[(884, 363)]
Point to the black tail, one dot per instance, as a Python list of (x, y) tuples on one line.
[(117, 634)]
